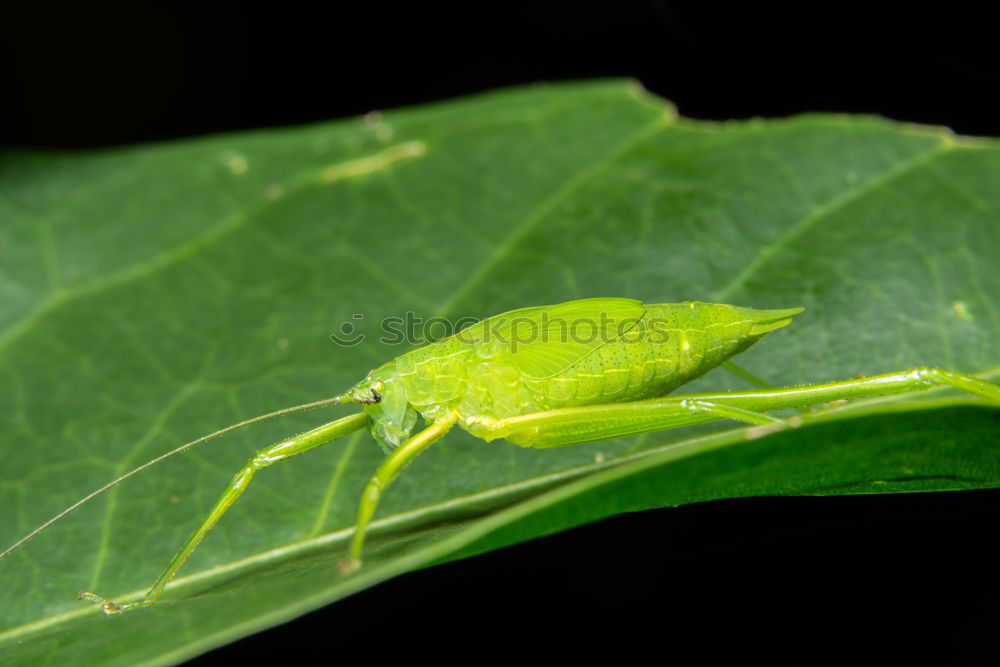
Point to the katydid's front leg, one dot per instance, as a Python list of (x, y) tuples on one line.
[(555, 428), (387, 472), (297, 445)]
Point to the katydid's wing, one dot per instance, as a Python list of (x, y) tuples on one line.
[(543, 341)]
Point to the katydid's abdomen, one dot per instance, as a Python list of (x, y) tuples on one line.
[(680, 343)]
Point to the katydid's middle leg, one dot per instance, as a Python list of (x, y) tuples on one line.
[(555, 428), (287, 448), (741, 372)]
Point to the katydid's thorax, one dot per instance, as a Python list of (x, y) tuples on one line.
[(428, 381), (436, 376)]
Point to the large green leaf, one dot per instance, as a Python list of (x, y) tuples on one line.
[(152, 294)]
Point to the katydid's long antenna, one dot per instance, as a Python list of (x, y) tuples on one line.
[(336, 400)]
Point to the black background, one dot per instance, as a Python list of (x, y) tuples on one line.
[(861, 576), (81, 76)]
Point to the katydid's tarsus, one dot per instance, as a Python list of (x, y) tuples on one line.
[(551, 376)]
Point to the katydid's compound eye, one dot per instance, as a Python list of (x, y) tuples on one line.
[(370, 397)]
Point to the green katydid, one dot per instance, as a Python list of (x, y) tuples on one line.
[(548, 376)]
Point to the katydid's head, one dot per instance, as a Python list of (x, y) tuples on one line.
[(382, 394)]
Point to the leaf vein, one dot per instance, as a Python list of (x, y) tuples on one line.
[(538, 213), (823, 212), (323, 175)]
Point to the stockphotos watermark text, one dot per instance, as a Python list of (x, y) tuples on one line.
[(411, 329)]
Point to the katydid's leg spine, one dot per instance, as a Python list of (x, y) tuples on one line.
[(387, 472), (569, 426), (279, 452)]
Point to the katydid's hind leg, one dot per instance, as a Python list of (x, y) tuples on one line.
[(556, 428), (931, 377), (723, 411), (570, 426), (387, 471), (287, 448), (757, 381)]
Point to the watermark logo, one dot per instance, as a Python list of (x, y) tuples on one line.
[(514, 332), (349, 336)]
